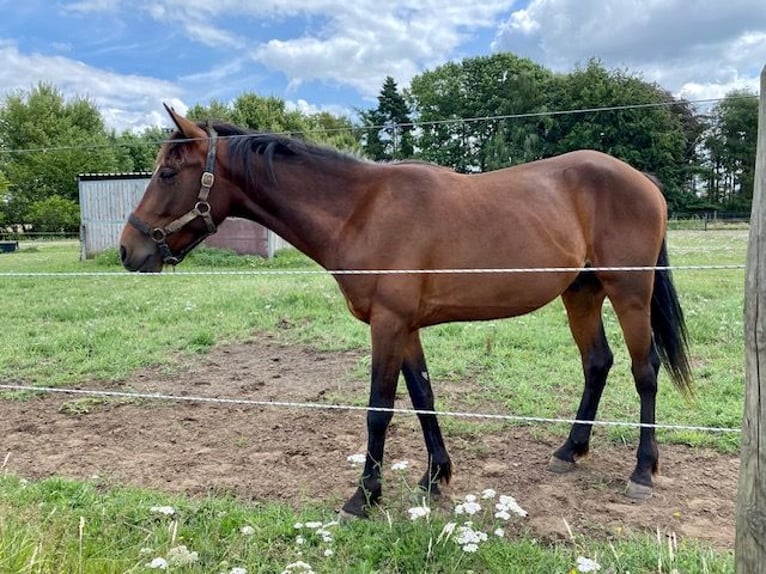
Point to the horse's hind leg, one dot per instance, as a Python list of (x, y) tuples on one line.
[(583, 301), (631, 301), (419, 386)]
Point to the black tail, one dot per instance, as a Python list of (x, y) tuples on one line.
[(669, 327)]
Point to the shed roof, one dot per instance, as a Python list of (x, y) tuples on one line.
[(107, 176)]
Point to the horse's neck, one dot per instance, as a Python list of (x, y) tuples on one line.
[(309, 204)]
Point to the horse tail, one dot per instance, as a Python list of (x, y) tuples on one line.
[(669, 327)]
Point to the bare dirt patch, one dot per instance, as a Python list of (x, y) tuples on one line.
[(295, 455)]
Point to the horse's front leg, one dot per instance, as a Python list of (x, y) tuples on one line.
[(419, 386), (389, 338)]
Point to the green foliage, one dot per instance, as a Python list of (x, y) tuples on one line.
[(72, 135), (650, 138), (487, 86), (137, 152), (54, 214), (271, 114), (391, 137), (730, 145)]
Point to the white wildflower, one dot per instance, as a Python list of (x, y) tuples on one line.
[(470, 547), (509, 504), (587, 565), (488, 494), (313, 525), (419, 512), (298, 568), (469, 507), (238, 570), (499, 532), (400, 465), (144, 551), (181, 556), (298, 525), (326, 535), (166, 510), (470, 498), (467, 535), (356, 459), (300, 540), (158, 564), (247, 530), (328, 552), (503, 515)]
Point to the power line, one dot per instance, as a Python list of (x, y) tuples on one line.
[(345, 407), (415, 124)]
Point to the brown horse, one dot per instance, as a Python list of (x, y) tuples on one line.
[(575, 211)]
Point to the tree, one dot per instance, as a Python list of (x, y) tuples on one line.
[(54, 214), (729, 151), (137, 152), (645, 126), (47, 141), (271, 114), (480, 114), (390, 134)]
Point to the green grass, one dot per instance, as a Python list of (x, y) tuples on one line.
[(69, 330), (61, 526)]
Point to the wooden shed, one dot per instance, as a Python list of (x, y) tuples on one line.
[(106, 200)]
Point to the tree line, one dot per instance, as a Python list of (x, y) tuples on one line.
[(475, 115)]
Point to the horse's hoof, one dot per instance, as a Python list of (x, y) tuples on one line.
[(638, 491), (559, 466)]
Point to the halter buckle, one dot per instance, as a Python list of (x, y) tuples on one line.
[(202, 207), (207, 179), (159, 235)]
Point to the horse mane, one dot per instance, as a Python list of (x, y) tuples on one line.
[(243, 143)]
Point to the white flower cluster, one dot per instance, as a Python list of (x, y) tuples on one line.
[(298, 567), (585, 565), (422, 511), (166, 510), (507, 505), (400, 465), (470, 506), (177, 556), (356, 459), (468, 538)]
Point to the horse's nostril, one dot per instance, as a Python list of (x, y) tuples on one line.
[(123, 254)]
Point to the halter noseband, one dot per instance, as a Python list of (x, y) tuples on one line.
[(201, 209)]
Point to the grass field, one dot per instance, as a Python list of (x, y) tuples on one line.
[(63, 330)]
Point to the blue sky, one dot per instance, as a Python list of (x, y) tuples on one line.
[(130, 56)]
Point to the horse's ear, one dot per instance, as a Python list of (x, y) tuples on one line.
[(187, 127)]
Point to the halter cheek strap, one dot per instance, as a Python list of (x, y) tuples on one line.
[(201, 209)]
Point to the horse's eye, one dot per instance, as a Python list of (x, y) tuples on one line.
[(166, 174)]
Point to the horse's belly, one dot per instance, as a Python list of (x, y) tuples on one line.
[(477, 297)]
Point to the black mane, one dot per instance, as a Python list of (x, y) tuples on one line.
[(243, 143)]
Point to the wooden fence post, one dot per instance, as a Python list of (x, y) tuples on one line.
[(750, 547)]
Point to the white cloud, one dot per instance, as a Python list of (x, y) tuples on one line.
[(362, 42), (126, 101), (692, 47)]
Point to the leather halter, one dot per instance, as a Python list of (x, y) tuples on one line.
[(201, 209)]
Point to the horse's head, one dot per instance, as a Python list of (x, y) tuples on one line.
[(180, 206)]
